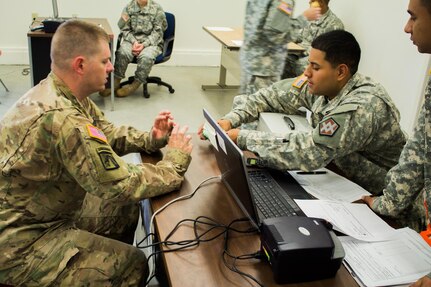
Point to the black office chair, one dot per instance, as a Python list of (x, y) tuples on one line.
[(168, 37)]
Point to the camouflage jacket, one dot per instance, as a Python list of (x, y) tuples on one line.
[(267, 28), (328, 22), (145, 25), (55, 149), (409, 182), (358, 130)]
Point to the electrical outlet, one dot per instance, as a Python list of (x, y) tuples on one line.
[(34, 15)]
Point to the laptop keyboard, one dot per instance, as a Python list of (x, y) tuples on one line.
[(268, 196)]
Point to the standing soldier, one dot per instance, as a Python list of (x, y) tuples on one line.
[(296, 63), (407, 196), (267, 28), (142, 24), (56, 147)]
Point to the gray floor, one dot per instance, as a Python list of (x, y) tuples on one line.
[(185, 104)]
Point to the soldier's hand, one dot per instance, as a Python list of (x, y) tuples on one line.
[(180, 140), (423, 282), (225, 124), (312, 13), (368, 200), (233, 134), (162, 125)]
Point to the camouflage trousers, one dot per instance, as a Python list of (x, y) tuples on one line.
[(250, 84), (145, 61), (86, 253), (294, 66)]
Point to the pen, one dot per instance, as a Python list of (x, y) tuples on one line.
[(311, 172)]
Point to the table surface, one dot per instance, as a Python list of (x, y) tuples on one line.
[(202, 265)]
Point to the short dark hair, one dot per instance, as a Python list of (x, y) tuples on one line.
[(340, 47), (427, 4)]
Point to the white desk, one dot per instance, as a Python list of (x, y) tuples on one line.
[(231, 41)]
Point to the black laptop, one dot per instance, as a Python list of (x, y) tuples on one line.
[(260, 193)]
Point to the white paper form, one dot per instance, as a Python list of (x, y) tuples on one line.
[(353, 219), (210, 134), (402, 260), (330, 186)]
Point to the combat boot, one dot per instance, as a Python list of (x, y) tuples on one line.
[(128, 89), (107, 92)]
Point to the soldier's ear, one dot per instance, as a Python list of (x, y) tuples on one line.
[(343, 72), (78, 65)]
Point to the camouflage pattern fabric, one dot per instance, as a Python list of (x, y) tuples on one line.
[(358, 130), (267, 28), (296, 64), (409, 182), (63, 184), (145, 26)]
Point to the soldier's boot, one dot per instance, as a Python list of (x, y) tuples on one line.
[(107, 92), (128, 89)]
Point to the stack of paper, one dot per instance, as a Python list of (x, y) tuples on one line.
[(376, 254)]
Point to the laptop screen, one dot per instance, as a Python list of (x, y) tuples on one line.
[(231, 162)]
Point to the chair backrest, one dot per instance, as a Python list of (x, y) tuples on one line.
[(168, 37)]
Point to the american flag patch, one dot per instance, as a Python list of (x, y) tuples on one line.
[(300, 81), (286, 8), (96, 133), (328, 127)]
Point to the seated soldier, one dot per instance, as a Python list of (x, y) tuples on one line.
[(296, 63), (355, 123), (142, 23)]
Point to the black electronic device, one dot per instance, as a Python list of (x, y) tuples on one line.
[(300, 249), (50, 25)]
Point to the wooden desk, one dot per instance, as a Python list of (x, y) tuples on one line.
[(39, 44), (231, 41), (203, 266)]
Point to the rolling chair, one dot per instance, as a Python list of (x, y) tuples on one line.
[(168, 37)]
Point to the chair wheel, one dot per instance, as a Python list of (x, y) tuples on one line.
[(146, 95), (171, 91)]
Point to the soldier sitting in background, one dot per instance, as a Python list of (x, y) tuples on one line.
[(68, 201), (142, 23), (355, 123), (296, 63)]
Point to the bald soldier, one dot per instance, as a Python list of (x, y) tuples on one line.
[(355, 123), (68, 202)]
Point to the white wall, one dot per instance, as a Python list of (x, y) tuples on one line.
[(387, 53)]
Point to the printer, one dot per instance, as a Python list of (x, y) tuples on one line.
[(300, 248)]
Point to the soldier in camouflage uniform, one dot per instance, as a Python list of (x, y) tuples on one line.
[(296, 63), (142, 38), (267, 28), (56, 147), (355, 123), (407, 196)]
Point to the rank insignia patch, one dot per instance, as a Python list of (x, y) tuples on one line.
[(95, 133), (286, 8), (108, 160), (328, 127)]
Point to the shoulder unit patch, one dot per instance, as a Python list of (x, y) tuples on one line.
[(328, 127)]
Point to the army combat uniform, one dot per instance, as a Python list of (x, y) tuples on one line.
[(267, 28), (409, 182), (296, 64), (55, 150), (145, 26), (358, 130)]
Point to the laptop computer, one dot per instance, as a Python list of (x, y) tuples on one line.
[(244, 184)]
